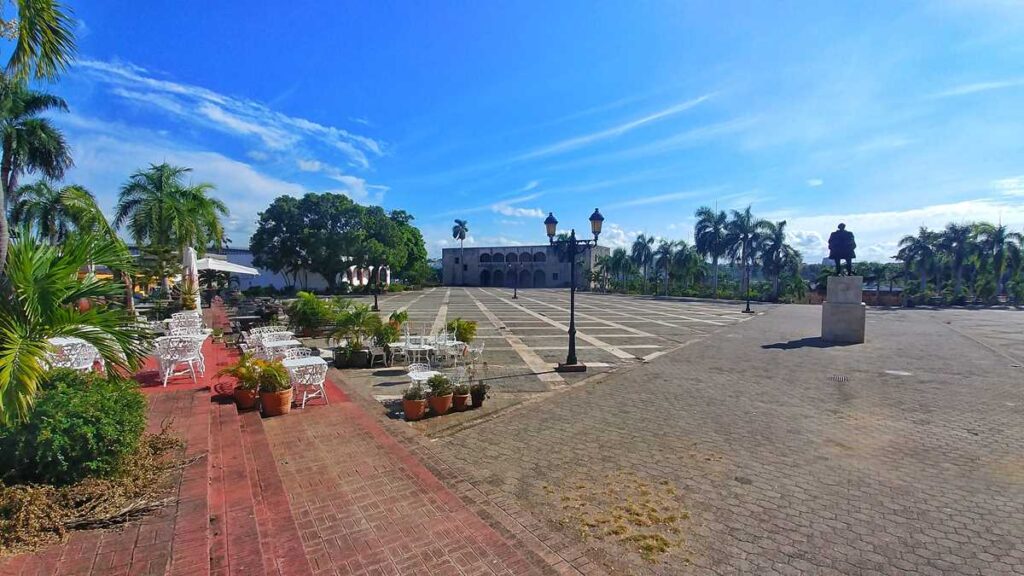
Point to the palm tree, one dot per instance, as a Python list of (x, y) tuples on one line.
[(38, 297), (642, 254), (459, 232), (919, 252), (54, 212), (602, 269), (998, 242), (685, 262), (663, 259), (709, 239), (44, 31), (743, 237), (160, 210), (956, 242), (30, 143), (620, 265), (776, 255)]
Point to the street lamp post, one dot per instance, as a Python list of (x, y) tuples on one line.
[(748, 310), (515, 285), (572, 247)]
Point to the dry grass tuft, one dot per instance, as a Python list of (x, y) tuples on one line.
[(644, 516), (34, 515)]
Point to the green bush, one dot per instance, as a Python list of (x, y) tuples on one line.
[(274, 377), (464, 330), (439, 385), (83, 425), (395, 287)]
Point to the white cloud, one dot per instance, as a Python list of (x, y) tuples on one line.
[(662, 198), (309, 165), (229, 114), (974, 88), (815, 182), (587, 139), (1013, 186), (530, 185), (615, 236), (258, 155), (518, 212)]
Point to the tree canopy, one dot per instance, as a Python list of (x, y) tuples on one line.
[(327, 233)]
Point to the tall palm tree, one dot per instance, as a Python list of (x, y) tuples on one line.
[(44, 31), (709, 239), (918, 252), (743, 237), (159, 209), (38, 296), (459, 232), (603, 268), (687, 265), (54, 212), (956, 242), (642, 254), (662, 259), (998, 242), (776, 254), (30, 143), (620, 265)]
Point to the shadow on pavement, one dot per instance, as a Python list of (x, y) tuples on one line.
[(812, 342)]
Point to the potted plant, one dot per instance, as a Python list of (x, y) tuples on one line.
[(460, 397), (414, 403), (218, 334), (246, 373), (440, 397), (464, 330), (355, 325), (478, 392), (275, 389)]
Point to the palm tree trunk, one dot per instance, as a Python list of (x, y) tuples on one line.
[(462, 262), (5, 172), (714, 279), (924, 279)]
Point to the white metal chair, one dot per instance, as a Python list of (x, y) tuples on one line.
[(76, 355), (297, 352), (310, 381), (173, 351), (476, 352), (378, 354)]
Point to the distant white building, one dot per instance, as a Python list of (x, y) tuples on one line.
[(515, 266)]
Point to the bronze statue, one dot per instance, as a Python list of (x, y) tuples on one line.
[(840, 247)]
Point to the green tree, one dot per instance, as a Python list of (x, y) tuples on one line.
[(743, 237), (919, 253), (998, 243), (332, 234), (642, 255), (160, 209), (776, 255), (31, 143), (663, 256), (44, 36), (956, 243), (709, 238), (459, 232), (277, 244), (54, 212), (38, 300)]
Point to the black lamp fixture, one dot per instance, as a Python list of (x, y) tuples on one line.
[(572, 248)]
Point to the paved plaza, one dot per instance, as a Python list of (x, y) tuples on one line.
[(901, 455)]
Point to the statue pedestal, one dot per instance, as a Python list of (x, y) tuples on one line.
[(843, 314)]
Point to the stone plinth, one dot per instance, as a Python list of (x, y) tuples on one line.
[(843, 314)]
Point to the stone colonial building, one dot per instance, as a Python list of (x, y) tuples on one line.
[(508, 266)]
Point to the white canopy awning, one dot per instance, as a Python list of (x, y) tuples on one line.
[(225, 266)]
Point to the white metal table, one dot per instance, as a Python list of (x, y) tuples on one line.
[(423, 376)]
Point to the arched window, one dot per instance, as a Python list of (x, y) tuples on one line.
[(525, 257), (511, 257), (498, 258), (498, 278), (539, 257), (485, 258)]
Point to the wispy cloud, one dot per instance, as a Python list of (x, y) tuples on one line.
[(587, 139), (967, 89), (1013, 186), (663, 198), (532, 184), (506, 207), (815, 182), (237, 116)]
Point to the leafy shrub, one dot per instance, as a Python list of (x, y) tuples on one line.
[(83, 425), (480, 388), (439, 385), (415, 393), (274, 377), (395, 287), (386, 333), (246, 372), (461, 390), (465, 330)]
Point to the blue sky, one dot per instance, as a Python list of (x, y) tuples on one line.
[(884, 115)]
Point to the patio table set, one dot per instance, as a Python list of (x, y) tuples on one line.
[(308, 373), (427, 355)]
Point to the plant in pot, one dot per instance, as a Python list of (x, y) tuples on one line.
[(464, 330), (460, 397), (246, 373), (355, 325), (440, 396), (478, 392), (275, 389), (414, 403)]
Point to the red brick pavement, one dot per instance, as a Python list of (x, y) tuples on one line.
[(366, 505)]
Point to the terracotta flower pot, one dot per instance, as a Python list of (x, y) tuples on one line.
[(440, 404), (414, 409), (478, 398), (460, 402), (276, 403), (83, 304), (246, 399)]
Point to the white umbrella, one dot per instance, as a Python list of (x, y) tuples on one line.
[(190, 275), (225, 266)]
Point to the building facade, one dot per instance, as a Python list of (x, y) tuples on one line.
[(538, 266)]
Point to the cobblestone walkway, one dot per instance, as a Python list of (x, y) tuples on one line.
[(902, 455)]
